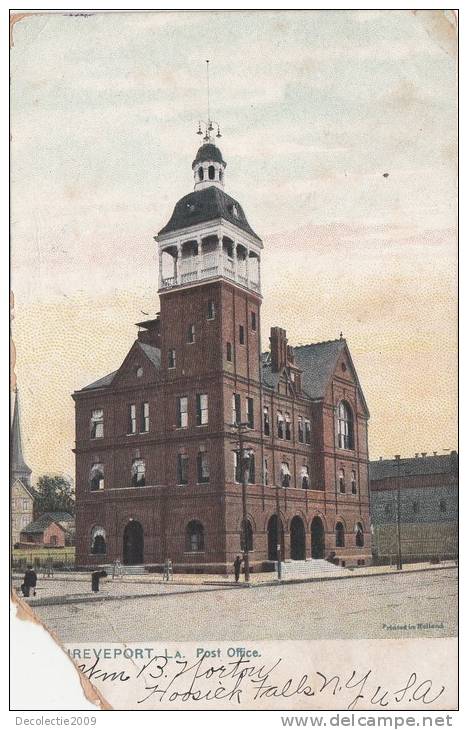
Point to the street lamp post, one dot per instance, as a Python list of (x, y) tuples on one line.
[(398, 515)]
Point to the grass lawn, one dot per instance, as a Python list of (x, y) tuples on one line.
[(66, 554)]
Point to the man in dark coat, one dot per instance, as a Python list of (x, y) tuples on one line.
[(29, 581), (95, 577), (237, 567)]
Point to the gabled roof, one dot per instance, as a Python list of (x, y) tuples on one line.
[(29, 490), (317, 362), (152, 353), (206, 205), (43, 522), (421, 465)]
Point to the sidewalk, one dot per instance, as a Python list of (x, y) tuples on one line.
[(64, 589)]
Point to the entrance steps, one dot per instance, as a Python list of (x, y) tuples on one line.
[(313, 568)]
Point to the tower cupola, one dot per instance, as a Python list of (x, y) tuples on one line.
[(208, 166)]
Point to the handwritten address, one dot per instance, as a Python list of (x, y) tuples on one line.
[(165, 679)]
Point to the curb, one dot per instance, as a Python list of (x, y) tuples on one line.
[(217, 586)]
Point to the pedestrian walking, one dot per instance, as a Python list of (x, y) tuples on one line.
[(95, 578), (237, 567), (29, 582)]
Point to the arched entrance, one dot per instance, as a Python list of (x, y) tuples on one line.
[(318, 538), (272, 538), (298, 540), (133, 543)]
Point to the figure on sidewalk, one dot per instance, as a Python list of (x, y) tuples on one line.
[(237, 567), (95, 578), (29, 581)]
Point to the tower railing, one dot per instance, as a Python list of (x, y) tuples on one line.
[(209, 265)]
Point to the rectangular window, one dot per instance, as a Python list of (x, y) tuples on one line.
[(241, 334), (202, 409), (307, 431), (300, 429), (97, 424), (96, 477), (237, 468), (144, 418), (228, 352), (253, 321), (182, 469), (171, 359), (182, 412), (266, 421), (287, 422), (280, 424), (25, 504), (236, 408), (211, 310), (138, 473), (265, 472), (203, 469), (191, 334), (132, 423), (250, 412), (252, 469)]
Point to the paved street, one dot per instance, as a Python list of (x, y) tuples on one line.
[(340, 609)]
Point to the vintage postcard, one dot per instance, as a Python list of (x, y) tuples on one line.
[(234, 458)]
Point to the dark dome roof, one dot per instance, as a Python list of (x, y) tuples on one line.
[(206, 205), (208, 152)]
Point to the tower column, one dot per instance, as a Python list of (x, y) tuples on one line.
[(199, 257), (220, 255), (177, 260), (247, 268), (160, 269), (234, 255)]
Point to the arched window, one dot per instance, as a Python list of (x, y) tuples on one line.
[(341, 481), (200, 173), (138, 473), (339, 534), (194, 537), (359, 532), (285, 475), (249, 537), (353, 482), (96, 477), (211, 172), (98, 541), (345, 426), (220, 176), (305, 480)]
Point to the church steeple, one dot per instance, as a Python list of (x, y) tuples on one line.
[(19, 468)]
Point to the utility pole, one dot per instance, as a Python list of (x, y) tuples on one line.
[(244, 456), (278, 533), (398, 514)]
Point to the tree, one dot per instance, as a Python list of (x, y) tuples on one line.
[(54, 494)]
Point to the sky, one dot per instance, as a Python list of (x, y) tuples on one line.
[(315, 107)]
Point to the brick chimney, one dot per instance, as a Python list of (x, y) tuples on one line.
[(279, 348)]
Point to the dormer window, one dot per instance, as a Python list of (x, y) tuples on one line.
[(235, 211)]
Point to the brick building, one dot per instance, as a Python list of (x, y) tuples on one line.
[(156, 470), (428, 506)]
